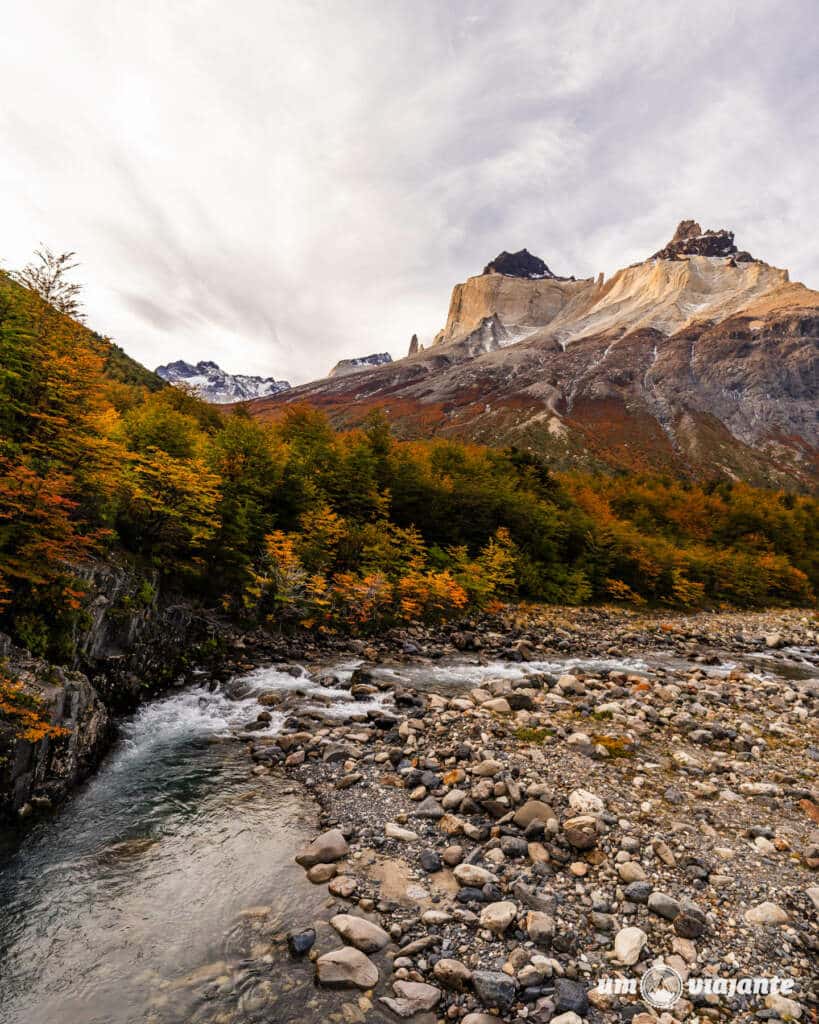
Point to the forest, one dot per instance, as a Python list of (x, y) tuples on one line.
[(294, 525)]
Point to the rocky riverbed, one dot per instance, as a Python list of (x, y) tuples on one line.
[(499, 849), (510, 813)]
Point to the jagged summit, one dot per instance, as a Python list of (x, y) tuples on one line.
[(699, 360), (690, 240), (213, 384), (519, 264)]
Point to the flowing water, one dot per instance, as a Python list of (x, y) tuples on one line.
[(154, 868), (162, 891)]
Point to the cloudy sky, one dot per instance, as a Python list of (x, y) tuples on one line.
[(277, 184)]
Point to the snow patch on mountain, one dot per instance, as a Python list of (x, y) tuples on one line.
[(213, 384), (346, 366)]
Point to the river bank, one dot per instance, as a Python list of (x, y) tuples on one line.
[(512, 833), (525, 803)]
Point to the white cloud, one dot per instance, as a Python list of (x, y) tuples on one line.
[(276, 186)]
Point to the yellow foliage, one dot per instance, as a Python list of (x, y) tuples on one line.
[(26, 712)]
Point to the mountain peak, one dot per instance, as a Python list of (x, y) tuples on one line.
[(690, 240), (518, 264), (213, 384), (346, 366)]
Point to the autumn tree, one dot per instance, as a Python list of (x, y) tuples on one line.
[(48, 276)]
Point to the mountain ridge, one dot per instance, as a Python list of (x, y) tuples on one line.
[(215, 385), (703, 366)]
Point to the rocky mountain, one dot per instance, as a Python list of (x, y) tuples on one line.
[(700, 360), (519, 264), (216, 385), (344, 367)]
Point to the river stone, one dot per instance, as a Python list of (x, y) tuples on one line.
[(628, 945), (786, 1009), (664, 905), (498, 916), (581, 832), (690, 922), (346, 968), (582, 801), (452, 974), (479, 1018), (429, 808), (435, 917), (452, 856), (500, 705), (533, 810), (766, 913), (540, 927), (494, 989), (358, 932), (570, 1017), (571, 996), (342, 886), (631, 871), (639, 892), (300, 943), (404, 835), (320, 873), (413, 997), (473, 876), (451, 825), (327, 847), (431, 861)]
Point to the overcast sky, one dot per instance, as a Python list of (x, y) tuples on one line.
[(276, 185)]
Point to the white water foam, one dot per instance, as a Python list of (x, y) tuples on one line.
[(335, 702)]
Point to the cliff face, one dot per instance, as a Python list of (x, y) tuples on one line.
[(42, 773), (700, 276), (701, 360), (133, 645), (521, 304)]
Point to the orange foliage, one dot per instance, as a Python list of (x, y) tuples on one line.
[(26, 712)]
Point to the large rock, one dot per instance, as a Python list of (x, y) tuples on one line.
[(766, 913), (494, 989), (346, 968), (473, 875), (540, 927), (429, 808), (358, 932), (496, 917), (533, 810), (629, 944), (452, 974), (328, 847), (413, 997), (571, 996), (582, 801)]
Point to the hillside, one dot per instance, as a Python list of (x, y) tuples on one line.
[(701, 360)]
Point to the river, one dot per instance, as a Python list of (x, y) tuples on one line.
[(162, 891)]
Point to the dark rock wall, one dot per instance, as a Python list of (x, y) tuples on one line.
[(132, 645), (43, 773)]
